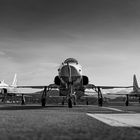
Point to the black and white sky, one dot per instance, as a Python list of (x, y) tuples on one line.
[(37, 35)]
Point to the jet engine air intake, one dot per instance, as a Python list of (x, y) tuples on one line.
[(85, 80), (57, 80), (3, 91)]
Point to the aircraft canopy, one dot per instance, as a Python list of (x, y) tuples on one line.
[(71, 60)]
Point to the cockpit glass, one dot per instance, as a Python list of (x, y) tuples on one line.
[(71, 60)]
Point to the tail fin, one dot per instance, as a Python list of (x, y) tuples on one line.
[(14, 84), (135, 84)]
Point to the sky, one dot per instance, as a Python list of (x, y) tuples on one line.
[(37, 35)]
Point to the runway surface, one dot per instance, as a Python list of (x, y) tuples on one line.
[(33, 122)]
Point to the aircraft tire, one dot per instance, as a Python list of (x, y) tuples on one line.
[(126, 103), (74, 103), (69, 103), (62, 102), (43, 102), (100, 101)]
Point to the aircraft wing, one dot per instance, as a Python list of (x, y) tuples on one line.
[(111, 87), (19, 94), (117, 93), (91, 86), (90, 96), (39, 87)]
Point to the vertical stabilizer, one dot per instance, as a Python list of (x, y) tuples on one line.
[(135, 84), (14, 84)]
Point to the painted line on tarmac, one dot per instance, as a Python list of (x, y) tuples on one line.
[(114, 109), (118, 120)]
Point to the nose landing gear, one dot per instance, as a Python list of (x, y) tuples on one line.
[(71, 98), (43, 98), (70, 102)]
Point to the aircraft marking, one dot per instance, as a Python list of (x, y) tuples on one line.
[(118, 120)]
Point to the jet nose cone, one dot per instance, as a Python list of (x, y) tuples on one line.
[(70, 74), (69, 69)]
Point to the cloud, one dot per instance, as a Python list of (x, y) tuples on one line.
[(103, 36), (2, 53), (49, 64)]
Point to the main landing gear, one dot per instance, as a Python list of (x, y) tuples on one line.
[(69, 102), (22, 99), (63, 101), (100, 97), (4, 93), (74, 99), (127, 100)]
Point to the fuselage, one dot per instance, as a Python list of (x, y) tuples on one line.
[(5, 88), (70, 72), (70, 79)]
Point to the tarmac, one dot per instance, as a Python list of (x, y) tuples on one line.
[(33, 122)]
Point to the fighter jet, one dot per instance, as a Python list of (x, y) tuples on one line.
[(8, 89), (135, 92), (70, 80), (11, 90)]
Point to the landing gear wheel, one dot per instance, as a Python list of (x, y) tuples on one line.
[(4, 95), (74, 100), (126, 103), (43, 101), (22, 100), (127, 100), (69, 103), (62, 102), (100, 100), (100, 97)]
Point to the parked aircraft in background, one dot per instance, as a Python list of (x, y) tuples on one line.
[(11, 90), (8, 89), (70, 81), (136, 89), (134, 93)]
